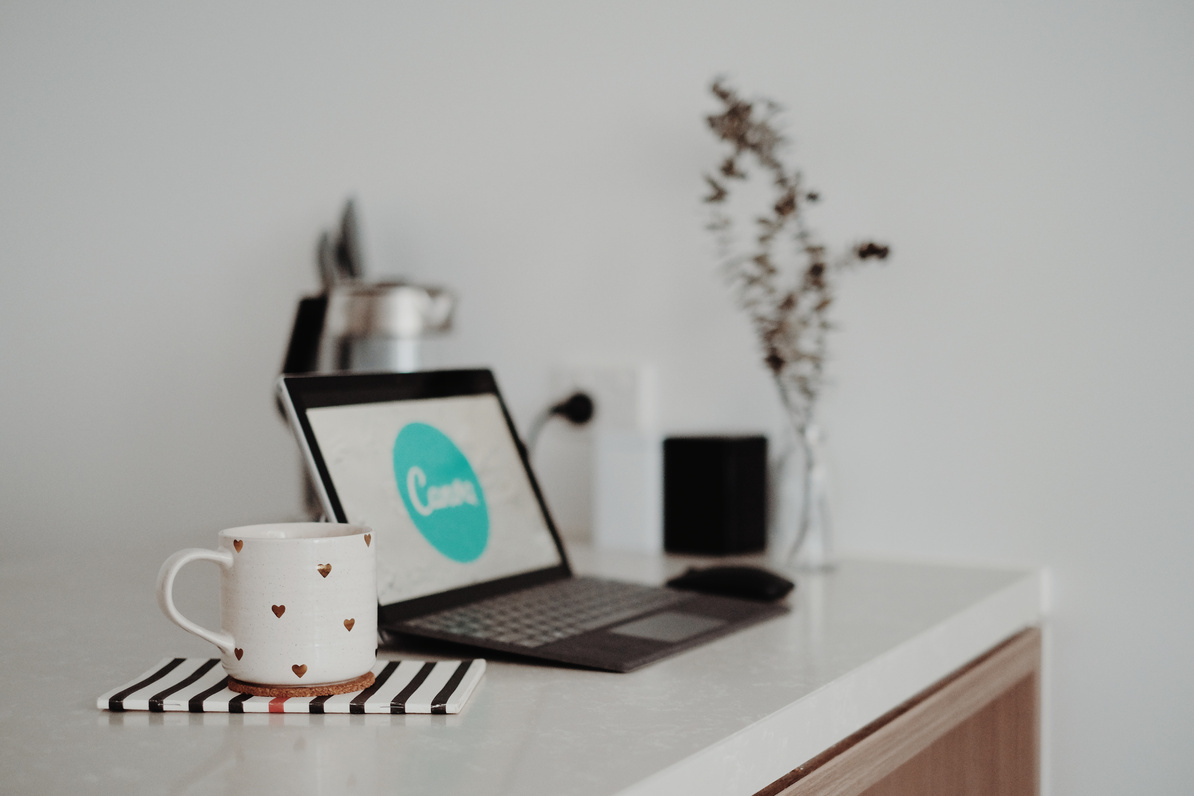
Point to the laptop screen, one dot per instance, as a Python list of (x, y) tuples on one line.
[(442, 485)]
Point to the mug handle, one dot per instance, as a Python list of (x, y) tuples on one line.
[(166, 593)]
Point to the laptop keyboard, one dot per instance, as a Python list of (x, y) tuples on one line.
[(551, 612)]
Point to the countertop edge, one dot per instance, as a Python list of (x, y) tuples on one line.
[(758, 755)]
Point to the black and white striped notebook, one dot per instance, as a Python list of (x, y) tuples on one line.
[(199, 685)]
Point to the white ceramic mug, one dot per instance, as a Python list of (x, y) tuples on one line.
[(298, 602)]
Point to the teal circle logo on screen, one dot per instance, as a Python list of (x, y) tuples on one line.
[(441, 492)]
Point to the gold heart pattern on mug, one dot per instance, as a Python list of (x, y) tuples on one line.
[(324, 570)]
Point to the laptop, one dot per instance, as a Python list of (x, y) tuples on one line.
[(466, 548)]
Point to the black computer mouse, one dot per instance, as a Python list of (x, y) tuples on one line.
[(751, 583)]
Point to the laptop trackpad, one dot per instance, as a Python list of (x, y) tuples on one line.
[(668, 626)]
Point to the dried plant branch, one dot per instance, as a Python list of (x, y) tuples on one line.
[(788, 306)]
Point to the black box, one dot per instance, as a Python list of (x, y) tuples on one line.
[(715, 494)]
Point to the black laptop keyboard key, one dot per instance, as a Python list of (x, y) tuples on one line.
[(551, 612)]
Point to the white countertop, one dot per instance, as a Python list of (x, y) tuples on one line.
[(728, 717)]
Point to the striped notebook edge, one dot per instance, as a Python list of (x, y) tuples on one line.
[(200, 685)]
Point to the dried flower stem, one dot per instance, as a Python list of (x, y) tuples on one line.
[(788, 306)]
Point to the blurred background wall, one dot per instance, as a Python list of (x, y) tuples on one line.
[(1014, 386)]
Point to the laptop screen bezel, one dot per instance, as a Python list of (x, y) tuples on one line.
[(299, 393)]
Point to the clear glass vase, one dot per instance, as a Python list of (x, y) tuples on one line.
[(802, 524)]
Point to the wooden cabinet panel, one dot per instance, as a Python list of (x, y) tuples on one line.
[(976, 732)]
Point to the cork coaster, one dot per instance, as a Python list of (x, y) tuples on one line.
[(286, 691)]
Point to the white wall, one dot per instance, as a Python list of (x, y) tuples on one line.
[(1015, 386)]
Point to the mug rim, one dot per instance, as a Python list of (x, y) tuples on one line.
[(295, 531)]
